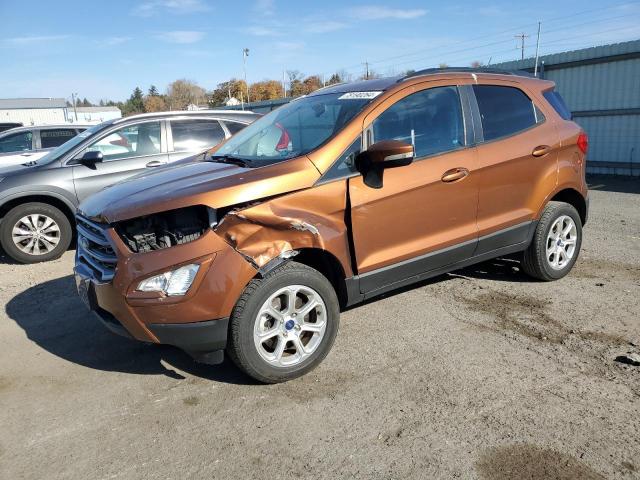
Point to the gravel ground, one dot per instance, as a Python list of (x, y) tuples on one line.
[(478, 374)]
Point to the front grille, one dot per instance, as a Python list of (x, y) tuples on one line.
[(95, 250)]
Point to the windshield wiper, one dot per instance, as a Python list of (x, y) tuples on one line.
[(229, 159)]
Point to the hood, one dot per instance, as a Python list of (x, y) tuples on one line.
[(212, 184), (11, 170)]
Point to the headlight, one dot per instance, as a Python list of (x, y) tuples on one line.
[(175, 282)]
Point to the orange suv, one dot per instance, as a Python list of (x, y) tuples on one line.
[(334, 198)]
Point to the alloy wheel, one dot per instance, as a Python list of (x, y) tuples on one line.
[(561, 242), (36, 234), (290, 325)]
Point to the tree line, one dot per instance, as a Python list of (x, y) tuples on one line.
[(182, 93)]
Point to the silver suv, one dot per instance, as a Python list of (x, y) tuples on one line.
[(38, 199), (24, 144)]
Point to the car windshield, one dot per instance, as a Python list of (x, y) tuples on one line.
[(71, 144), (294, 129)]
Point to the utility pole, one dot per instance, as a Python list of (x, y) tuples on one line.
[(73, 99), (366, 66), (522, 36), (535, 68), (245, 54)]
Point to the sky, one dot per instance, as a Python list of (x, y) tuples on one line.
[(104, 49)]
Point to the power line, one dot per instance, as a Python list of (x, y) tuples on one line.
[(546, 21)]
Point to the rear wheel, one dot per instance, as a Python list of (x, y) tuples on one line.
[(284, 324), (556, 243), (35, 232)]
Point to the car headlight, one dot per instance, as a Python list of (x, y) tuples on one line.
[(172, 283)]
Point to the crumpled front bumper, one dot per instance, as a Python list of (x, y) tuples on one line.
[(197, 321)]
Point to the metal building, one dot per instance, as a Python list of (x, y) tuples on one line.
[(93, 114), (601, 86), (33, 111)]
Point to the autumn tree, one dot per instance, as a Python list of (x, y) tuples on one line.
[(182, 93), (154, 103), (265, 90), (237, 89)]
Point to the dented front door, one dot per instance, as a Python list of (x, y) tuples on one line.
[(424, 216)]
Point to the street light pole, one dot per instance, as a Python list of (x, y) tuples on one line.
[(245, 54)]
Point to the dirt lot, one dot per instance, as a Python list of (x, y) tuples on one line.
[(478, 374)]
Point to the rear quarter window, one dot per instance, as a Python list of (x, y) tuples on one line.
[(505, 111), (557, 102), (234, 127)]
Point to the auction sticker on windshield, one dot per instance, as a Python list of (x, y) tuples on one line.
[(359, 96)]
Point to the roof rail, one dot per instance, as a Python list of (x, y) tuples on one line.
[(431, 71), (184, 112)]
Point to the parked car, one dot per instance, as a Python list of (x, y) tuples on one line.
[(38, 199), (26, 144), (335, 198), (7, 125)]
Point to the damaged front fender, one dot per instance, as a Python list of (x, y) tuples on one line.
[(271, 232)]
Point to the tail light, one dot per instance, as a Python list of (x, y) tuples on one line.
[(283, 142), (583, 142)]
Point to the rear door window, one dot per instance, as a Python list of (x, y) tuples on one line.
[(431, 120), (505, 111), (56, 137), (17, 142), (197, 134)]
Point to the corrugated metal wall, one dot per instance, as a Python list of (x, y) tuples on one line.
[(601, 86), (34, 116)]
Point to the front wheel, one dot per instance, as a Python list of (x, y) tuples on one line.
[(35, 232), (556, 243), (284, 324)]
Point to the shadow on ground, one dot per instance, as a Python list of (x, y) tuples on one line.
[(52, 316), (613, 183)]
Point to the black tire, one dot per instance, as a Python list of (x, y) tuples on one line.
[(535, 262), (241, 347), (14, 215)]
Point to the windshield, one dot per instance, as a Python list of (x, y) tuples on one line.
[(71, 144), (294, 129)]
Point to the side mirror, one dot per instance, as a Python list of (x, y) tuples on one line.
[(381, 155), (90, 158)]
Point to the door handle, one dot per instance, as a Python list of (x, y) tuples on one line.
[(454, 174), (155, 163), (541, 150)]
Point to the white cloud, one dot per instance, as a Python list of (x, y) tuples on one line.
[(374, 12), (259, 31), (324, 26), (153, 7), (111, 41), (265, 7), (181, 36), (29, 40)]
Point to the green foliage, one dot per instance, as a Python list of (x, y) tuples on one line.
[(135, 103)]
